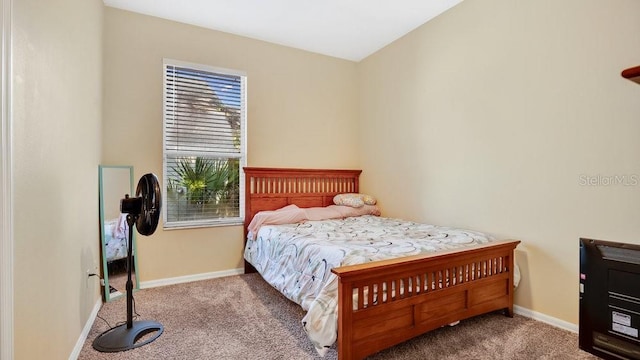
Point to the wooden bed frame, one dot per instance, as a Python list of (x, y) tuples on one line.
[(433, 290)]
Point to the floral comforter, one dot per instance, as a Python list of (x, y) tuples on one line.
[(297, 259)]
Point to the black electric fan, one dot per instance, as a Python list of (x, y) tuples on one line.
[(143, 211)]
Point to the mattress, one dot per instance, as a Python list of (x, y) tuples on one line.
[(297, 259)]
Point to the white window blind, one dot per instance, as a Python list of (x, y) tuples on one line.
[(204, 145)]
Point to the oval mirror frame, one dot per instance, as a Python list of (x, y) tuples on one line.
[(115, 181)]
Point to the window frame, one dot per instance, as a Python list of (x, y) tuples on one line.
[(213, 222)]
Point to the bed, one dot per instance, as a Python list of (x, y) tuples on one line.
[(382, 303)]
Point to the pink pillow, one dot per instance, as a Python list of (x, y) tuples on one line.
[(290, 214), (348, 211)]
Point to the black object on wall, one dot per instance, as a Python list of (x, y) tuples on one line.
[(610, 299)]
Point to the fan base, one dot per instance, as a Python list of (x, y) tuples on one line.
[(121, 338)]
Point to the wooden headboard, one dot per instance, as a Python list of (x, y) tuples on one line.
[(273, 188)]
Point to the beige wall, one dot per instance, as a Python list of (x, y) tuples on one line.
[(302, 112), (492, 115), (57, 97)]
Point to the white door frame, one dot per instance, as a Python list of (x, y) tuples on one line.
[(6, 188)]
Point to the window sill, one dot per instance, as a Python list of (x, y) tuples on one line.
[(203, 224)]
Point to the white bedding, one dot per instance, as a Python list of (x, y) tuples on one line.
[(116, 234), (297, 259)]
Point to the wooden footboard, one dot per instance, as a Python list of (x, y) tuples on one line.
[(387, 302)]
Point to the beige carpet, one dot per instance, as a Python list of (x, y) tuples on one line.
[(242, 317)]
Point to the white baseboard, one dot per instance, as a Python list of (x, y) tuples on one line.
[(190, 278), (545, 319), (85, 331)]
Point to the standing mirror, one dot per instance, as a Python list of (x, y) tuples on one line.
[(115, 182)]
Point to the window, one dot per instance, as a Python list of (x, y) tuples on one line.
[(204, 145)]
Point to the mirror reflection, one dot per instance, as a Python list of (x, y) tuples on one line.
[(115, 183)]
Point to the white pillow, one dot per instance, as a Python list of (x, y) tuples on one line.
[(354, 200)]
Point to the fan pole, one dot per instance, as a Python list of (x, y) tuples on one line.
[(131, 220)]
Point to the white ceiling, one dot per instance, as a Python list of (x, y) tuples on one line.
[(348, 29)]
